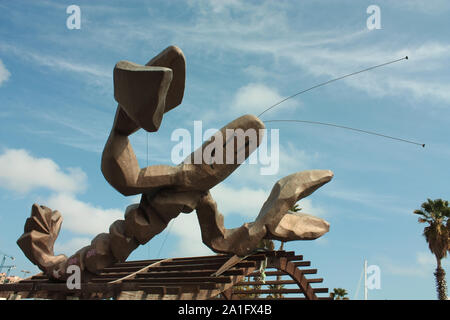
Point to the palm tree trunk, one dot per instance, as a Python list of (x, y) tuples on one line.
[(441, 284)]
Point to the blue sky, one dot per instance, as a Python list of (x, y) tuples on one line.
[(57, 108)]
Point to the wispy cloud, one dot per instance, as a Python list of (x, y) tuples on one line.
[(265, 30), (96, 73), (4, 73), (386, 203), (423, 265), (423, 6)]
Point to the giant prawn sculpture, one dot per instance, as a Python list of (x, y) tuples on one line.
[(144, 94)]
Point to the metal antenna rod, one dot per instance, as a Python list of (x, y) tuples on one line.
[(330, 81), (349, 128)]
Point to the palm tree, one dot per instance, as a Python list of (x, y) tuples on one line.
[(339, 294), (436, 214)]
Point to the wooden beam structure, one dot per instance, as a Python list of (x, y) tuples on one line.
[(189, 278)]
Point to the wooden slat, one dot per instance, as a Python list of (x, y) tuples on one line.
[(316, 280), (283, 298), (37, 277), (186, 279), (16, 286), (288, 267), (174, 262), (60, 287), (190, 279), (135, 263), (168, 289), (261, 283), (280, 291), (169, 267), (267, 291), (284, 253), (197, 280), (281, 273), (302, 263), (295, 258), (209, 259), (184, 285), (140, 271), (177, 260), (125, 269), (227, 256), (168, 275), (245, 264), (36, 281), (196, 273)]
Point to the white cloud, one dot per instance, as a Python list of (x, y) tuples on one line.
[(4, 73), (246, 201), (83, 218), (70, 247), (21, 172), (294, 159), (187, 230), (254, 98), (291, 160), (308, 207)]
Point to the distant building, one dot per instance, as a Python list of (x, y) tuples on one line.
[(10, 279)]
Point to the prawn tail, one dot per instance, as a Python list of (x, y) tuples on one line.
[(42, 229), (40, 233)]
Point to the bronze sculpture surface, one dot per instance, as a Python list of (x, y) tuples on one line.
[(144, 94)]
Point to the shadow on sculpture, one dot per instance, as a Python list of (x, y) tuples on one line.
[(144, 94)]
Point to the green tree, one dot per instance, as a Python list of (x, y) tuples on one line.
[(436, 214), (265, 244), (339, 294)]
